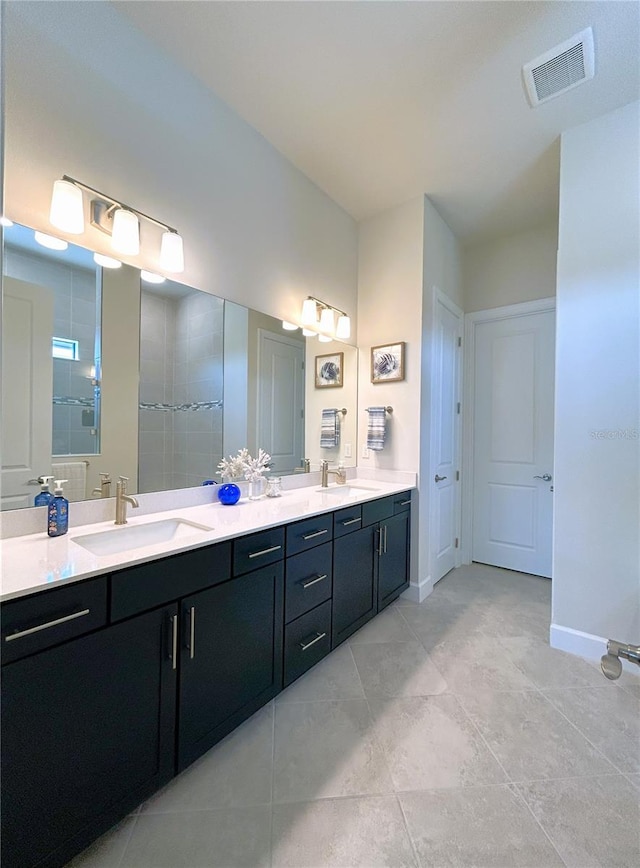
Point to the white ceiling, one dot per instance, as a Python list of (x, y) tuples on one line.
[(378, 102)]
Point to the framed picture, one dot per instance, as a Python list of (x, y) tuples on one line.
[(387, 363), (329, 370)]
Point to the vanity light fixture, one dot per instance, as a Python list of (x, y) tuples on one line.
[(50, 242), (150, 277), (120, 221), (324, 339), (4, 221), (309, 333), (289, 326), (327, 325), (106, 261)]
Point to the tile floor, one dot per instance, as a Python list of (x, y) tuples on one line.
[(444, 734)]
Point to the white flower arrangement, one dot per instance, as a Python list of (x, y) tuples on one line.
[(243, 464)]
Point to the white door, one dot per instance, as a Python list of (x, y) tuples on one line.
[(444, 484), (280, 415), (513, 442), (27, 389)]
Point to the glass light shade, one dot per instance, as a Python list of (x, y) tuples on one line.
[(309, 312), (289, 326), (125, 236), (172, 252), (50, 242), (67, 208), (4, 221), (308, 333), (343, 329), (324, 339), (106, 261), (150, 277), (326, 320)]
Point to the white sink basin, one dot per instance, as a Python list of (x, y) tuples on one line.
[(122, 539), (346, 490)]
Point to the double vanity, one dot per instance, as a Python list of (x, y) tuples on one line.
[(128, 652)]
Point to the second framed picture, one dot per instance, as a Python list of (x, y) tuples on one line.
[(387, 363), (329, 370)]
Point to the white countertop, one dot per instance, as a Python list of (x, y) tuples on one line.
[(36, 561)]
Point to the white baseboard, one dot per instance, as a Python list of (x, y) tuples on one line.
[(585, 645), (418, 591)]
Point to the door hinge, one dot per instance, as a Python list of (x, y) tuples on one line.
[(457, 542), (457, 476), (458, 408), (459, 342)]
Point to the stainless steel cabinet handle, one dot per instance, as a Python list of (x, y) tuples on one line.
[(439, 478), (380, 542), (405, 502), (174, 642), (546, 476), (351, 521), (265, 552), (192, 632), (314, 581), (306, 645), (384, 550), (31, 630), (314, 534)]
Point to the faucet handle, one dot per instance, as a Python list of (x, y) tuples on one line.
[(105, 477), (123, 479)]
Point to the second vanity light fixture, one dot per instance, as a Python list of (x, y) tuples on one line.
[(324, 325), (114, 218)]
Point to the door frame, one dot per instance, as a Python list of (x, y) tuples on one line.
[(471, 322), (452, 307)]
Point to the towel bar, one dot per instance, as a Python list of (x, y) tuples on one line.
[(387, 409)]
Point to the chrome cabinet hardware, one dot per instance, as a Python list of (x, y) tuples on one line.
[(31, 630), (439, 478), (314, 534), (174, 642), (192, 632), (379, 542), (406, 502), (351, 521), (546, 476), (265, 552), (384, 550), (318, 637), (315, 581)]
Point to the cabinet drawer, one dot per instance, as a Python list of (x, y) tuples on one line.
[(306, 641), (401, 502), (42, 620), (347, 520), (149, 585), (257, 550), (308, 581), (309, 533), (377, 510)]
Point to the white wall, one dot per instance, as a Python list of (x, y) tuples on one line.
[(511, 269), (87, 95), (596, 587), (317, 400)]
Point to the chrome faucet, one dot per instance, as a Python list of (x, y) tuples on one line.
[(122, 499), (340, 474), (306, 465), (105, 486)]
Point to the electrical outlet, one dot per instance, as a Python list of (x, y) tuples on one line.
[(347, 450), (365, 451)]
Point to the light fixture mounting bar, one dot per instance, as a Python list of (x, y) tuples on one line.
[(325, 305), (114, 204)]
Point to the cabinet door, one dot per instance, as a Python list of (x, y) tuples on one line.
[(354, 585), (231, 657), (393, 561), (87, 733)]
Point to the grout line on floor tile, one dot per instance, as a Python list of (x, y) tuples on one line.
[(521, 781), (516, 792), (482, 738), (136, 817), (364, 693), (409, 835)]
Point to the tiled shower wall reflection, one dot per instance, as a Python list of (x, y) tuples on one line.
[(180, 363), (75, 310)]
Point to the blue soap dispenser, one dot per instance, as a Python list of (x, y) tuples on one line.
[(45, 497), (58, 511)]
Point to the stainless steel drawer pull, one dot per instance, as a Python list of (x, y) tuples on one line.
[(384, 549), (314, 581), (379, 532), (314, 534), (174, 642), (265, 552), (403, 502), (192, 633), (46, 626), (306, 645), (351, 521)]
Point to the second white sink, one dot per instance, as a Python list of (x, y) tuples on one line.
[(127, 537), (346, 490)]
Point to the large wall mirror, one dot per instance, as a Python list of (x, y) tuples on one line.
[(104, 370)]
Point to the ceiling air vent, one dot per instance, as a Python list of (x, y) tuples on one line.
[(557, 71)]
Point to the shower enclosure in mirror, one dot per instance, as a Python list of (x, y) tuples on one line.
[(152, 381)]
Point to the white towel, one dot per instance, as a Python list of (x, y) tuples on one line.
[(75, 472), (330, 430), (377, 428)]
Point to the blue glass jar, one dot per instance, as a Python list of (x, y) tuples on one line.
[(228, 494)]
